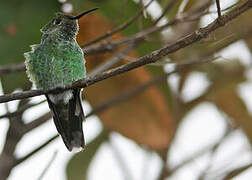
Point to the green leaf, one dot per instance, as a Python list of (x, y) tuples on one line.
[(77, 167), (20, 23)]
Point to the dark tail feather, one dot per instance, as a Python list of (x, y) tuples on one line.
[(68, 117)]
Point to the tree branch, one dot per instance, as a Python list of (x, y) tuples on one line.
[(14, 134), (147, 59)]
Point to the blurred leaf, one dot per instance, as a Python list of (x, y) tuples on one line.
[(231, 72), (249, 43), (78, 165), (145, 118), (225, 78), (20, 23), (246, 23), (230, 102), (164, 87), (174, 10)]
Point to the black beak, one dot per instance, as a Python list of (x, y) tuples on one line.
[(82, 14)]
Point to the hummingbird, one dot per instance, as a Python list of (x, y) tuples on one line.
[(56, 62)]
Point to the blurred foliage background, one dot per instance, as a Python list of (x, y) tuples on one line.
[(153, 116)]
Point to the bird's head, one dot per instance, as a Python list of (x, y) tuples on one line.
[(63, 24)]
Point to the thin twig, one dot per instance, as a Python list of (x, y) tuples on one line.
[(12, 68), (14, 135), (226, 9), (166, 9), (119, 28), (20, 110), (121, 12), (214, 151), (22, 159), (48, 165), (189, 62), (143, 14), (112, 61), (199, 154), (218, 8), (37, 122), (147, 59), (120, 159)]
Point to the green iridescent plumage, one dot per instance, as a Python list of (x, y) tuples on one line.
[(56, 62)]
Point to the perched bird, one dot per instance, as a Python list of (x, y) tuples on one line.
[(58, 61)]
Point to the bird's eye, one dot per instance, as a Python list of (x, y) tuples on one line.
[(56, 21)]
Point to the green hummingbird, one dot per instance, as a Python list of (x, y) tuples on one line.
[(58, 61)]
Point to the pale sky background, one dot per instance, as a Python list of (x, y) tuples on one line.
[(203, 125)]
